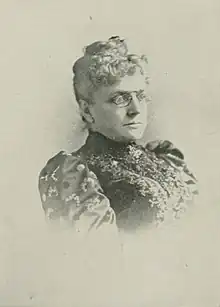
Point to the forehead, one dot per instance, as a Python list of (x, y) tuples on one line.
[(126, 84), (130, 83)]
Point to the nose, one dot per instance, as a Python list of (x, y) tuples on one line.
[(134, 106)]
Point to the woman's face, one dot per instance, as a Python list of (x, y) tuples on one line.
[(120, 110)]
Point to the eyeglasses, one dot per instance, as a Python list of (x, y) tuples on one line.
[(125, 98)]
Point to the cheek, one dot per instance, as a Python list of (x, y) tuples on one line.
[(116, 118), (110, 115), (144, 109), (99, 113)]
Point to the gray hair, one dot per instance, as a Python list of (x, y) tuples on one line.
[(105, 63)]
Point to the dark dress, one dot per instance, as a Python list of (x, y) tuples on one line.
[(122, 185)]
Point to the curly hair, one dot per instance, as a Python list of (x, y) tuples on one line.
[(105, 63)]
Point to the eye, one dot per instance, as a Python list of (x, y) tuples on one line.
[(119, 100), (141, 96)]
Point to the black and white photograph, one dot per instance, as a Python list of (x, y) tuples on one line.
[(110, 153)]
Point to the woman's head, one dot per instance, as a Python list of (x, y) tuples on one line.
[(110, 88)]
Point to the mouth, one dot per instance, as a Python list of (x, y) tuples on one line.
[(133, 124)]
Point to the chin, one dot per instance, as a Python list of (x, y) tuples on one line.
[(135, 135)]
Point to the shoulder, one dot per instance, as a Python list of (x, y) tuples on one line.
[(54, 162), (63, 176), (165, 147), (57, 168), (57, 162), (173, 155), (166, 150)]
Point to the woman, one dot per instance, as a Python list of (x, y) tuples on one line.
[(111, 180)]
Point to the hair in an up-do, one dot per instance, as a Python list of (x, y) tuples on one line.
[(105, 63)]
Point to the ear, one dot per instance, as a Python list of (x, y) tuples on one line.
[(85, 111)]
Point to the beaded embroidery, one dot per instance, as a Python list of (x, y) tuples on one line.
[(154, 179)]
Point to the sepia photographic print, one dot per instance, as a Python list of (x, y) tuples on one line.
[(110, 154)]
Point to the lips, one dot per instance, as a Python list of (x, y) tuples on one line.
[(133, 124)]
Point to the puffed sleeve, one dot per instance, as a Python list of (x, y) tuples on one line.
[(175, 157), (71, 193)]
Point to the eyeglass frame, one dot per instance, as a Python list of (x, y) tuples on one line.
[(129, 99)]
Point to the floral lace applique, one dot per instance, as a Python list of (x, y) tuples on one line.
[(153, 177)]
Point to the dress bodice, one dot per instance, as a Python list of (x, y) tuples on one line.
[(147, 185), (136, 185)]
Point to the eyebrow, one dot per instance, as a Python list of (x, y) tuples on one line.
[(126, 92)]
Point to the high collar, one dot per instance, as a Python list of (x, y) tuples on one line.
[(98, 143)]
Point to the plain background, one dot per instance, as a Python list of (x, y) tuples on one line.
[(40, 40)]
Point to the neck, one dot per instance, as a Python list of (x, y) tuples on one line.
[(112, 138), (99, 143)]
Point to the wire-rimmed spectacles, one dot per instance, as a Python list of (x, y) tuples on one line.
[(124, 99)]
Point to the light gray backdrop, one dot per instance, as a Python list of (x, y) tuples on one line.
[(39, 42)]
